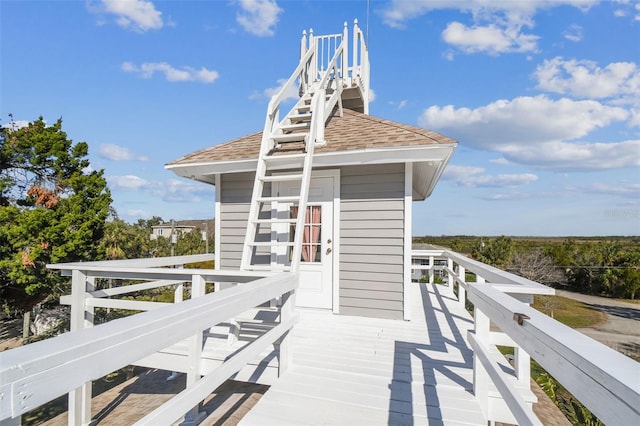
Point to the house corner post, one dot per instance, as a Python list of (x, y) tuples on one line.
[(79, 412)]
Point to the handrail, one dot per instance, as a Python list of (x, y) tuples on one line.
[(148, 262), (275, 101), (34, 374), (604, 380)]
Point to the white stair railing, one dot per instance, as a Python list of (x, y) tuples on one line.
[(321, 78)]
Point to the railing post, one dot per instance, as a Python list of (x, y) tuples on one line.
[(195, 416), (431, 263), (282, 345), (314, 62), (449, 275), (462, 292), (79, 412), (354, 64), (522, 366), (345, 52), (480, 376), (304, 74)]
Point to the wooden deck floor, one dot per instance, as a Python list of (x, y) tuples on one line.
[(362, 371)]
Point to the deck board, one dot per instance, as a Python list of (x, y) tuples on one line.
[(349, 370)]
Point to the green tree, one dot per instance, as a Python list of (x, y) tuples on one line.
[(496, 252), (52, 209)]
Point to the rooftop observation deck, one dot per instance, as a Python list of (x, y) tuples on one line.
[(441, 367)]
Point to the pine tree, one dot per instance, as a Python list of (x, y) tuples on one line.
[(53, 208)]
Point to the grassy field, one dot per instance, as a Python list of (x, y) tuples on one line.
[(568, 311)]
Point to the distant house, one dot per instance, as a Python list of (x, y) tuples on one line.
[(422, 265), (181, 227)]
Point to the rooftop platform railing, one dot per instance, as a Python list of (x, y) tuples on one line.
[(39, 372), (605, 381)]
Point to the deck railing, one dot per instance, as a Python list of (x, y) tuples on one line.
[(605, 381), (37, 373)]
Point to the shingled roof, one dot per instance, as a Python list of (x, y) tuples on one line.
[(353, 131)]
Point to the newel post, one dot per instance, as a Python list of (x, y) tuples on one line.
[(449, 274), (79, 412), (345, 52), (304, 74), (313, 72), (354, 65)]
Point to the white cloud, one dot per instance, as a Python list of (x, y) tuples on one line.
[(585, 79), (522, 120), (372, 95), (118, 153), (491, 39), (398, 104), (399, 11), (148, 69), (138, 214), (472, 177), (560, 155), (574, 33), (178, 191), (623, 189), (628, 8), (171, 190), (128, 182), (136, 15), (258, 17), (16, 124), (538, 131), (269, 92), (497, 25)]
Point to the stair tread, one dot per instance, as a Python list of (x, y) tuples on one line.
[(275, 221), (281, 178), (299, 117), (304, 125), (283, 198), (290, 137), (271, 243)]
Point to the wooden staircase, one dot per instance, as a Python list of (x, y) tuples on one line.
[(322, 77)]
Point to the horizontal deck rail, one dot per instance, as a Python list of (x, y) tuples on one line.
[(605, 381), (39, 372)]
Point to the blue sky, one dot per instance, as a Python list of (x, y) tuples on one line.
[(543, 96)]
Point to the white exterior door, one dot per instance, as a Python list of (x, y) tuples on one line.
[(316, 266)]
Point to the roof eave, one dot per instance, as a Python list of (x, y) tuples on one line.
[(429, 160)]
